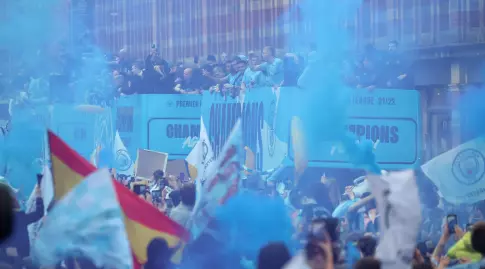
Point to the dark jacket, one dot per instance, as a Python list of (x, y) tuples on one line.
[(20, 236)]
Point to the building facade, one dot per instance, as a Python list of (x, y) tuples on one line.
[(444, 38), (185, 28)]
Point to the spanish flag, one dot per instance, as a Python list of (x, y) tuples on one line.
[(143, 222)]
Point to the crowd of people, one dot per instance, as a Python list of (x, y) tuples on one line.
[(374, 69), (324, 237), (170, 194), (87, 78), (350, 237)]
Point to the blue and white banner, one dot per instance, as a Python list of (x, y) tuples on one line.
[(459, 173), (165, 123), (171, 123), (265, 127), (390, 118)]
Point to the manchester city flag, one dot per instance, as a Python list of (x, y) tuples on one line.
[(201, 158), (459, 173), (123, 162)]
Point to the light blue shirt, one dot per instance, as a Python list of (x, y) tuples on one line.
[(274, 71), (254, 79), (235, 79)]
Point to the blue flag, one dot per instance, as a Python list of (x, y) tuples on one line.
[(87, 223)]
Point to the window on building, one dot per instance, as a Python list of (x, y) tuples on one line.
[(381, 18), (408, 16), (444, 15), (366, 20), (474, 14), (425, 16), (440, 139)]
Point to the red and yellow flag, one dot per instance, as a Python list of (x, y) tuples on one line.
[(143, 222)]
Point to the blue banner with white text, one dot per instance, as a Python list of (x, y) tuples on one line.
[(171, 124)]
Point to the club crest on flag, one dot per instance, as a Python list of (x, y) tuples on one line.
[(123, 160), (469, 166), (205, 151), (201, 157)]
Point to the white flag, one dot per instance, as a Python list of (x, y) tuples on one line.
[(47, 187), (201, 158), (123, 162), (88, 223), (459, 173), (93, 157), (222, 183), (397, 199)]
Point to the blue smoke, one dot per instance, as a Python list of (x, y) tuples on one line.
[(250, 221), (42, 40), (21, 154), (327, 96), (324, 106), (29, 28), (472, 111), (37, 36)]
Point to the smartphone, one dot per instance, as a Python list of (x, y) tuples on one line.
[(321, 228), (157, 195), (332, 228), (452, 221), (139, 189), (318, 231), (182, 177)]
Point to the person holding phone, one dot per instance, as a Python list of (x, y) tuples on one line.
[(451, 224), (158, 181), (182, 212), (318, 251)]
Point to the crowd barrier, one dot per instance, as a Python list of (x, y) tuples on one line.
[(391, 118)]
